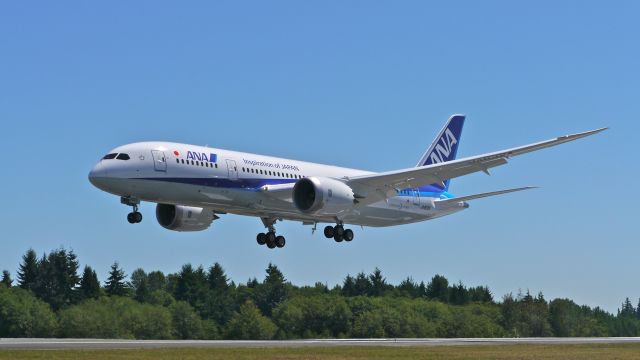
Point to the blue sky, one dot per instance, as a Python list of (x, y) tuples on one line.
[(358, 84)]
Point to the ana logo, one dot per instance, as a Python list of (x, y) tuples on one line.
[(192, 155), (176, 153), (443, 148)]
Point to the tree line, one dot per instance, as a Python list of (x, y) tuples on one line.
[(50, 298)]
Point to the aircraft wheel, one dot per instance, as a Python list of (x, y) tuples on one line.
[(271, 240), (134, 217), (348, 235), (280, 241), (328, 232), (261, 238)]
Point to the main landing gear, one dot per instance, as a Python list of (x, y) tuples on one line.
[(270, 238), (338, 233), (135, 216)]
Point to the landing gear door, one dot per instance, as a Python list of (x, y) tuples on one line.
[(159, 160), (233, 169)]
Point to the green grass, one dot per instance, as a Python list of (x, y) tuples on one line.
[(565, 352)]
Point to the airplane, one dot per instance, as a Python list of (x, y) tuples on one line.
[(192, 185)]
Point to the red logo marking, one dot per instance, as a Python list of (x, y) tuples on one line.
[(176, 153)]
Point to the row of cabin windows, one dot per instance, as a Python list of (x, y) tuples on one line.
[(272, 173), (247, 170), (197, 163), (120, 156)]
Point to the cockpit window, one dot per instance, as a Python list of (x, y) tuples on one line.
[(123, 156), (110, 156)]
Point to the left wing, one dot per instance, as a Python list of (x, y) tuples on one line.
[(376, 187)]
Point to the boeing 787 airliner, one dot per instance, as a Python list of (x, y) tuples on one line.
[(192, 185)]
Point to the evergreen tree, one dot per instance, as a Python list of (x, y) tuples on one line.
[(192, 287), (458, 294), (219, 305), (28, 270), (89, 284), (362, 285), (115, 285), (480, 294), (349, 286), (438, 289), (272, 291), (156, 281), (627, 309), (139, 283), (408, 288), (6, 279), (378, 283), (217, 279), (57, 278), (422, 289)]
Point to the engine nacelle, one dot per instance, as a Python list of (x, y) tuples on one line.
[(324, 196), (184, 218)]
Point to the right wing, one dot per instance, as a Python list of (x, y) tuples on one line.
[(376, 187)]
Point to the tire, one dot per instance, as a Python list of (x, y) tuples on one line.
[(271, 237), (348, 235), (137, 217), (280, 241), (328, 232), (261, 238), (337, 237), (131, 218), (271, 244)]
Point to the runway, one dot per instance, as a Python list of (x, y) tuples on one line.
[(59, 344)]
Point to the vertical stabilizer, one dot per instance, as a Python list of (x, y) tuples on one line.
[(445, 146)]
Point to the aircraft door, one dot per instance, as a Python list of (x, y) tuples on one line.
[(159, 160), (233, 169)]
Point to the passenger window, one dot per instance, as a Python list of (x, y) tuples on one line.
[(110, 156), (177, 161), (216, 165), (123, 156)]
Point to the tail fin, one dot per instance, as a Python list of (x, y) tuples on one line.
[(445, 146)]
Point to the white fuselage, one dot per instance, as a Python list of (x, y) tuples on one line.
[(238, 183)]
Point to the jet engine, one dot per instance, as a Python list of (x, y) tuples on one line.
[(184, 218), (322, 196)]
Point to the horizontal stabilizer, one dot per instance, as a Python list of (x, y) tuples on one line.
[(479, 196)]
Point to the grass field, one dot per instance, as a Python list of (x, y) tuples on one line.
[(565, 352)]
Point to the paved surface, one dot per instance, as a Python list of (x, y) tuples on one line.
[(33, 344)]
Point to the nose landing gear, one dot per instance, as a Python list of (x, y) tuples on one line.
[(135, 216)]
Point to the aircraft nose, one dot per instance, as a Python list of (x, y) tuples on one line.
[(98, 175)]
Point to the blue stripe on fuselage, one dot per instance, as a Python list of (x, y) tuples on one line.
[(249, 184), (256, 184)]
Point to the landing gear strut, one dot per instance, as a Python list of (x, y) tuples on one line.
[(270, 238), (338, 233), (135, 216)]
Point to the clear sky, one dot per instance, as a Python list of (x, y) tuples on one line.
[(354, 83)]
